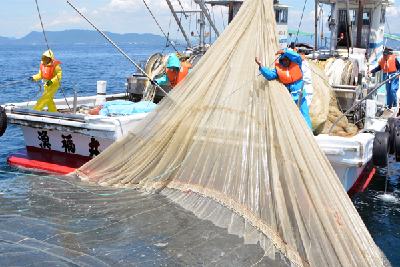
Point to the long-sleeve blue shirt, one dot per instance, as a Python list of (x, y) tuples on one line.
[(379, 66), (294, 88)]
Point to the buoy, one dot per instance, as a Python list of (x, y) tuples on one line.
[(380, 150), (3, 121)]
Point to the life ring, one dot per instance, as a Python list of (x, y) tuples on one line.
[(3, 121), (392, 134), (380, 149)]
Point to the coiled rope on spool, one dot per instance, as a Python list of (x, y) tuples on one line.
[(150, 90)]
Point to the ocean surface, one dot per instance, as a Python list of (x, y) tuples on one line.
[(37, 214)]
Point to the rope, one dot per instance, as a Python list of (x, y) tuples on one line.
[(159, 26), (111, 42), (40, 88), (52, 62), (13, 82), (297, 35)]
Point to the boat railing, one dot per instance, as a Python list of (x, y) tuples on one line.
[(30, 112)]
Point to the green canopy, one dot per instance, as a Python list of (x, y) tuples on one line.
[(300, 33), (392, 37)]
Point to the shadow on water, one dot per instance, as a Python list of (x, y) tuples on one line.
[(380, 212)]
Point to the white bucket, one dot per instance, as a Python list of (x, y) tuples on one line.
[(101, 92)]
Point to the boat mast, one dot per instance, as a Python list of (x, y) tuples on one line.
[(333, 25), (203, 8), (316, 24), (179, 23), (360, 22), (350, 30), (202, 27)]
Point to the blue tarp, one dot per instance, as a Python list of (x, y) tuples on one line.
[(123, 107)]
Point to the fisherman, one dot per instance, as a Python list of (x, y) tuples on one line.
[(175, 72), (50, 71), (288, 69), (308, 88), (390, 65)]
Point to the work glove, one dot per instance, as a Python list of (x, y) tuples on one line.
[(153, 82), (31, 79), (48, 83)]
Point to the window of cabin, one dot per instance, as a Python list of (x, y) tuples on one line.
[(383, 16), (284, 14), (277, 15)]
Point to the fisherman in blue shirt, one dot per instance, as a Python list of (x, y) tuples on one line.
[(390, 65), (288, 69)]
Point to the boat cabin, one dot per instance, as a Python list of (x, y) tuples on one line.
[(281, 17), (358, 23)]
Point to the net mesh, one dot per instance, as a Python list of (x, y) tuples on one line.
[(324, 109), (233, 148)]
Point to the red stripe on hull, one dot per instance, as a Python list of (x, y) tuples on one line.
[(363, 180), (47, 160)]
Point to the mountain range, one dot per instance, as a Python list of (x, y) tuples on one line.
[(94, 37), (83, 36)]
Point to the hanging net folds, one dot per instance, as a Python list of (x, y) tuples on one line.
[(234, 149), (324, 108)]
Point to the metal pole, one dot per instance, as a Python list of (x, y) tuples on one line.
[(230, 18), (179, 23), (202, 26), (108, 39), (360, 22), (201, 4), (316, 24), (75, 100), (349, 27), (333, 27)]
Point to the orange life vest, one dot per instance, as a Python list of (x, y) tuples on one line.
[(47, 71), (388, 66), (289, 74), (175, 77)]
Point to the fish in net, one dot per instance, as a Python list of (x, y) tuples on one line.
[(233, 148)]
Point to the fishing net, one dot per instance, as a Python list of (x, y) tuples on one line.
[(324, 109), (233, 148)]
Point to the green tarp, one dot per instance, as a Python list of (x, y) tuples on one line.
[(392, 37), (300, 33)]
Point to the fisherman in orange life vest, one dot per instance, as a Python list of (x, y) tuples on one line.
[(50, 71), (176, 71), (288, 69), (389, 64)]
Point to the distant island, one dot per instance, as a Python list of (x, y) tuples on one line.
[(83, 37)]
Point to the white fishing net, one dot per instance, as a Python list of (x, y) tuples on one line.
[(234, 149), (324, 109)]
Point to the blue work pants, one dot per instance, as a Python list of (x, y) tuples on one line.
[(391, 89)]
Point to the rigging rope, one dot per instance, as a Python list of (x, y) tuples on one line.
[(52, 62), (13, 82), (159, 25), (297, 36)]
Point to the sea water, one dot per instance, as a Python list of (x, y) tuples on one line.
[(38, 214)]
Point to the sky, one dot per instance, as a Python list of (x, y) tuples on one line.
[(20, 17)]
